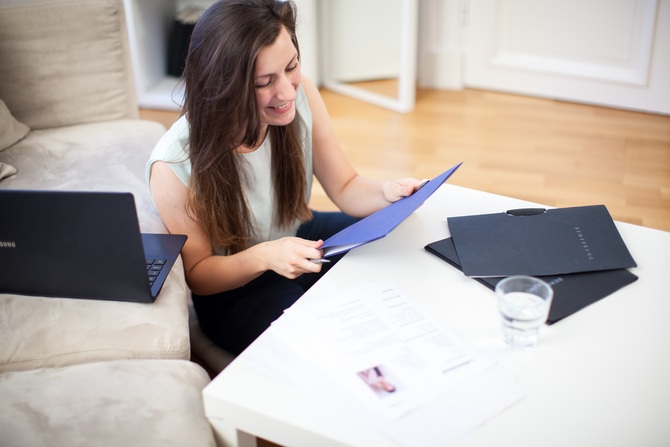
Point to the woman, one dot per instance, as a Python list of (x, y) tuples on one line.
[(234, 173)]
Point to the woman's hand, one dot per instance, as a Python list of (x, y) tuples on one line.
[(394, 191), (291, 256)]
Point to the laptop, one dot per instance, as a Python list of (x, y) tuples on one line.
[(77, 244)]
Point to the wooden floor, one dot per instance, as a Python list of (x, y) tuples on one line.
[(550, 152)]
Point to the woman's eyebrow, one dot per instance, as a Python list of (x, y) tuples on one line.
[(293, 59)]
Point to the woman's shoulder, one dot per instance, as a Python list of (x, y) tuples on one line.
[(304, 99), (173, 149), (174, 142), (178, 128), (307, 88)]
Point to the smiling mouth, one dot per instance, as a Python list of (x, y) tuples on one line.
[(284, 106)]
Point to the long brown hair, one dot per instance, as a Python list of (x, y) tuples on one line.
[(221, 108)]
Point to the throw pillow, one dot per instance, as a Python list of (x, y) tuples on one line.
[(6, 170), (11, 130)]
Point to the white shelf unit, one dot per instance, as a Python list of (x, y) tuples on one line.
[(149, 25)]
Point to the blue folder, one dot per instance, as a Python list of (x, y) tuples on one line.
[(379, 224)]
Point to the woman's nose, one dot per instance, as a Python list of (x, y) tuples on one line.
[(285, 88)]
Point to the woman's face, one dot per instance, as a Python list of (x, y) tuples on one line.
[(277, 79)]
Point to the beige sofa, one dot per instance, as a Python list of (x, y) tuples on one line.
[(85, 372)]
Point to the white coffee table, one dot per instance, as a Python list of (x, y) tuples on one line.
[(599, 377)]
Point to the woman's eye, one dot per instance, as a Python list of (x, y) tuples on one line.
[(289, 69)]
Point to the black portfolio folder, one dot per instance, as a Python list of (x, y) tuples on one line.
[(572, 292), (539, 242)]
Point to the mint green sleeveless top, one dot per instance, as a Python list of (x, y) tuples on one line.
[(258, 189)]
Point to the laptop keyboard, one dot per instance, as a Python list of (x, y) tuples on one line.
[(154, 267)]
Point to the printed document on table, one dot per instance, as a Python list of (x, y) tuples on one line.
[(445, 420), (381, 345)]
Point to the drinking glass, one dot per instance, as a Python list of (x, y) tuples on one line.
[(524, 303)]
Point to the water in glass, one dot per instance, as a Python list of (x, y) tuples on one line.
[(522, 316)]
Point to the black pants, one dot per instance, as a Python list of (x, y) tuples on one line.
[(235, 318)]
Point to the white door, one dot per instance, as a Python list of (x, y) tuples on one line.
[(606, 52)]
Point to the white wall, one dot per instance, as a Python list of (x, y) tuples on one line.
[(307, 31), (364, 39), (441, 43)]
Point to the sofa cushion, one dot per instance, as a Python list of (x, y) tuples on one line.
[(103, 156), (11, 130), (40, 332), (56, 72), (118, 403)]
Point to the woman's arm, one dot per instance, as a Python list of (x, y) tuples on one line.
[(352, 193), (207, 273)]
